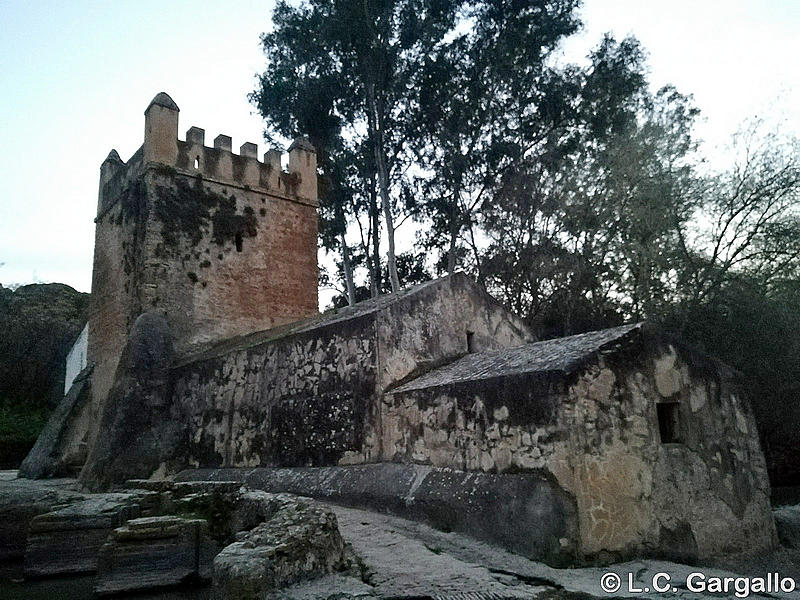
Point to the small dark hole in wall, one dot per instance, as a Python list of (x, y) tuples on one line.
[(238, 241), (197, 162), (669, 422), (470, 342)]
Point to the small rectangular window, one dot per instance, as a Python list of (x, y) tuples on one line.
[(470, 342), (669, 422)]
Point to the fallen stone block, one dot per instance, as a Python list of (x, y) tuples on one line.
[(68, 540), (155, 552), (299, 541)]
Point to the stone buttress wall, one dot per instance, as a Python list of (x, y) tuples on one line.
[(310, 394), (596, 433)]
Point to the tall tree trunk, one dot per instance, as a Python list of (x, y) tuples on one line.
[(347, 264), (376, 123), (348, 271), (375, 284), (455, 228)]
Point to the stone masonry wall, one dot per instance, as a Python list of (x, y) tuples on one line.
[(302, 399), (115, 302), (221, 243), (309, 394), (439, 323), (596, 433), (224, 260)]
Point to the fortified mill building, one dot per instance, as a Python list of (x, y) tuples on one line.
[(208, 359)]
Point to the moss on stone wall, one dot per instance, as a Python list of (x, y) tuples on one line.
[(186, 209), (227, 224), (183, 209)]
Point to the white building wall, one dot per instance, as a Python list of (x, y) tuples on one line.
[(76, 359)]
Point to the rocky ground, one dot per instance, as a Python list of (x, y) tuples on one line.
[(401, 558), (391, 557)]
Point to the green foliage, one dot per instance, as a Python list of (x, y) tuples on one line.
[(20, 423)]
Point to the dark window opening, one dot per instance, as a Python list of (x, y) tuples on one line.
[(238, 241), (669, 422), (470, 342), (197, 162)]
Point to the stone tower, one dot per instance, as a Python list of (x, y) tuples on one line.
[(223, 243)]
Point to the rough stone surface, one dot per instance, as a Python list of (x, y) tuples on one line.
[(299, 541), (308, 394), (138, 432), (21, 500), (504, 509), (787, 522), (577, 423), (404, 559), (50, 455), (155, 552), (67, 540), (585, 410)]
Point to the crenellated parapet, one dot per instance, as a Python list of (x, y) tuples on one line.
[(163, 148)]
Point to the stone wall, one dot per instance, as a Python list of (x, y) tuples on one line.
[(309, 394), (297, 400), (223, 260), (596, 433), (115, 302)]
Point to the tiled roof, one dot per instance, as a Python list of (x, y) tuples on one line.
[(556, 355)]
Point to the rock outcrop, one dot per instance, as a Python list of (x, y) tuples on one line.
[(155, 552), (138, 431), (20, 502), (299, 541), (68, 540), (787, 523), (39, 323), (158, 534)]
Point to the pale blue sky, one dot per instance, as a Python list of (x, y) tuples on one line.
[(77, 76)]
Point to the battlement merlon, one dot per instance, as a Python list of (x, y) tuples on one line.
[(162, 146)]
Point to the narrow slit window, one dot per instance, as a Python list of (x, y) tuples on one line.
[(470, 342), (238, 241), (197, 162), (669, 422)]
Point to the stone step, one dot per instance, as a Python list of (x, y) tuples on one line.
[(155, 552), (68, 540)]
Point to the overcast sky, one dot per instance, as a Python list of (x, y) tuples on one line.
[(75, 78)]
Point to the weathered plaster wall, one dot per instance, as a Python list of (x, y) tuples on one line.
[(596, 432)]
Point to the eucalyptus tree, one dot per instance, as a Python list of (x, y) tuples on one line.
[(346, 65), (483, 101)]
